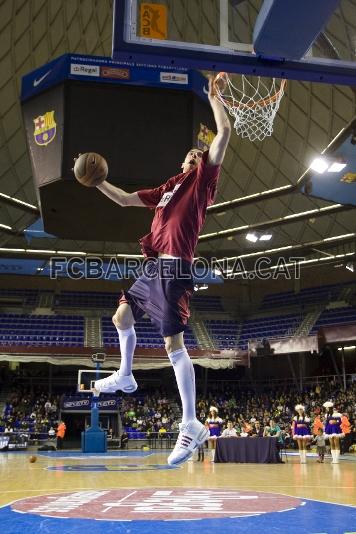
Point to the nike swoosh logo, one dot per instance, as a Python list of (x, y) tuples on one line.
[(37, 82), (206, 91)]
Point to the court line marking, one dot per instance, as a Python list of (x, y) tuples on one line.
[(65, 490), (120, 501)]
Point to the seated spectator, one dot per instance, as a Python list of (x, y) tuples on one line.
[(229, 431), (257, 430), (48, 406), (275, 432)]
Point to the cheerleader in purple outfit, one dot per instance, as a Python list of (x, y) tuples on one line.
[(301, 431), (214, 422), (333, 430)]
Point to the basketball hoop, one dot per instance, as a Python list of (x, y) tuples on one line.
[(253, 107)]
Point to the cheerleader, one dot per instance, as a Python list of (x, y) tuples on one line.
[(301, 431), (333, 430), (214, 423)]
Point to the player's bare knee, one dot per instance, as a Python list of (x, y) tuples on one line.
[(173, 343), (168, 345), (123, 318)]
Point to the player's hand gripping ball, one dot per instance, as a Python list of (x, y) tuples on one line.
[(90, 169)]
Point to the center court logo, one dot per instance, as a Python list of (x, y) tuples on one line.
[(156, 504)]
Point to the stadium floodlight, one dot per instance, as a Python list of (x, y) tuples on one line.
[(256, 236), (266, 237), (337, 166), (319, 165), (322, 164), (251, 236)]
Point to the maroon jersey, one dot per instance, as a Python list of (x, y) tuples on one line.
[(180, 209)]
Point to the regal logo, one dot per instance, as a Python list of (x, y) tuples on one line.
[(205, 137), (45, 128)]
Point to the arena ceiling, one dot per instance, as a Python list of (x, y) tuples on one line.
[(33, 32)]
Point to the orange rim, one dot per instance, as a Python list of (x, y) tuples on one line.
[(262, 103)]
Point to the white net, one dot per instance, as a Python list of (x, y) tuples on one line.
[(253, 105)]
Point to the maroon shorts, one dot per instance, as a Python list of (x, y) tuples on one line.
[(163, 291)]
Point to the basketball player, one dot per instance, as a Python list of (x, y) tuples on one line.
[(180, 209)]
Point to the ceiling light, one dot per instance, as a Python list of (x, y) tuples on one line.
[(251, 237), (337, 166), (330, 164), (17, 201), (266, 237), (198, 288), (350, 266), (319, 165)]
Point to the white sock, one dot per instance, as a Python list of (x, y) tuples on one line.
[(185, 377), (127, 339)]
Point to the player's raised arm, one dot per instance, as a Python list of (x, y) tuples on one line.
[(221, 140), (120, 196)]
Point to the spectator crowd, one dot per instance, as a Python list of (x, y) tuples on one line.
[(243, 412)]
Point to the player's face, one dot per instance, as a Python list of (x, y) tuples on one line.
[(192, 159)]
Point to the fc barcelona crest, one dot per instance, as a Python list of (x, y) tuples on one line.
[(45, 128), (205, 137)]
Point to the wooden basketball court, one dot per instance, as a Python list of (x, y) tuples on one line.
[(135, 491)]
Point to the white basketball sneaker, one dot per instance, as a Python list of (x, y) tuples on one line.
[(112, 383), (191, 435)]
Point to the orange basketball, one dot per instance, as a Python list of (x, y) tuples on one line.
[(90, 169), (32, 459)]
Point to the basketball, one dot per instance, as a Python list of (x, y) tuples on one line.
[(32, 459), (90, 169)]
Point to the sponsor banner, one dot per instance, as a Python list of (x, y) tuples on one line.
[(106, 70), (174, 77), (113, 72), (85, 404), (84, 70), (4, 441)]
